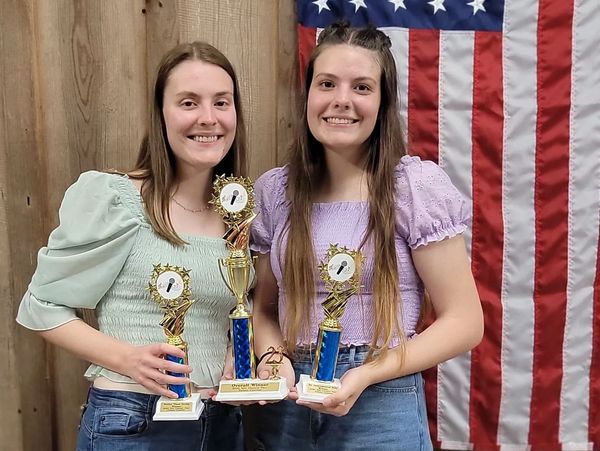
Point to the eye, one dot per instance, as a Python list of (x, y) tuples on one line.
[(188, 103), (327, 84), (222, 103), (363, 88)]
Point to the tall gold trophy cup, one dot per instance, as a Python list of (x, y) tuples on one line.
[(170, 287), (233, 199), (341, 273)]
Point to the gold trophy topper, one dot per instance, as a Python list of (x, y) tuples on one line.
[(169, 286), (341, 273), (233, 198)]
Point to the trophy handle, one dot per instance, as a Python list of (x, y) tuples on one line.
[(221, 265)]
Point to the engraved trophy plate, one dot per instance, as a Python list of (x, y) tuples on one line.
[(169, 287), (341, 273), (233, 198)]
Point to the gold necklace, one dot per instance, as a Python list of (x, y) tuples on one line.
[(200, 210)]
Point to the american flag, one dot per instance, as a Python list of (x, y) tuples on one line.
[(505, 95)]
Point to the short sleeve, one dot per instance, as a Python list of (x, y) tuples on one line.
[(269, 192), (84, 255), (429, 207)]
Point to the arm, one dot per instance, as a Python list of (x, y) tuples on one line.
[(445, 270), (144, 364)]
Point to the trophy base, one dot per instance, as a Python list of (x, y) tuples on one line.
[(312, 390), (252, 390), (168, 409)]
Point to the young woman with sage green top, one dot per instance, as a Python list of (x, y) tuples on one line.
[(350, 183), (113, 230)]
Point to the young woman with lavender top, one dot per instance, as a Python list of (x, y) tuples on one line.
[(350, 182)]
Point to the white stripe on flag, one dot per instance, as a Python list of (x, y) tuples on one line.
[(399, 38), (455, 154), (520, 110), (584, 203)]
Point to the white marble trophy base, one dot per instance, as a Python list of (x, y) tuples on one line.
[(312, 390), (168, 409), (252, 390)]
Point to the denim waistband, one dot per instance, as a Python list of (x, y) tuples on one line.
[(140, 402), (346, 354)]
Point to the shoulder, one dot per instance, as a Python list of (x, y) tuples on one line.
[(271, 186), (413, 169), (273, 176)]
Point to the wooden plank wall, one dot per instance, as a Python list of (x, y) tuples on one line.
[(74, 79)]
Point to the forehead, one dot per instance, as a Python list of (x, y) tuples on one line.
[(348, 60), (192, 75)]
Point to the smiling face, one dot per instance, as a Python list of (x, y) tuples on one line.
[(199, 114), (344, 98)]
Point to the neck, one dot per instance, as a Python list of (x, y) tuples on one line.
[(345, 178), (193, 188)]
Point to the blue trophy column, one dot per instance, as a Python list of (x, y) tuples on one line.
[(180, 389), (241, 329), (327, 355)]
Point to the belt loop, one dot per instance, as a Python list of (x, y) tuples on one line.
[(351, 354)]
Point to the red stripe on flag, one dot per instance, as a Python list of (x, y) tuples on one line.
[(430, 377), (423, 98), (551, 218), (307, 40), (594, 413), (488, 232)]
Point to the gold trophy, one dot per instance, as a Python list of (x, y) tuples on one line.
[(341, 273), (233, 198), (169, 286)]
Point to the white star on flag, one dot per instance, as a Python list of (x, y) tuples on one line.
[(358, 3), (437, 5), (477, 6), (322, 4), (397, 4)]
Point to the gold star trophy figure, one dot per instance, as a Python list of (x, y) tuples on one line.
[(233, 198), (169, 287), (341, 273)]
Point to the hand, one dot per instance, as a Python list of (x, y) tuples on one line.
[(228, 375), (286, 371), (146, 366), (354, 382)]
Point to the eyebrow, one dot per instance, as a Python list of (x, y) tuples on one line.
[(193, 94), (328, 75)]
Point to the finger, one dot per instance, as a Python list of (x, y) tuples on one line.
[(165, 348), (264, 374), (173, 367), (154, 387)]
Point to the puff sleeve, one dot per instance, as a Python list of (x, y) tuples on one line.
[(84, 255), (269, 190), (429, 207)]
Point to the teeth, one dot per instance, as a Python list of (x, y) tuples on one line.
[(339, 120), (205, 139)]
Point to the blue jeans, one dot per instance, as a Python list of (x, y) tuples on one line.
[(387, 416), (118, 420)]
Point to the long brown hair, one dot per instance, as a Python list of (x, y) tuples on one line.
[(155, 163), (306, 168)]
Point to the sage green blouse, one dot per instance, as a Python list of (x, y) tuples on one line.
[(101, 257)]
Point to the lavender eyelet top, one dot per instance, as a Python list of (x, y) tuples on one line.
[(428, 208)]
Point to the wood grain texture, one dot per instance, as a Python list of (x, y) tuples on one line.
[(287, 79), (24, 394)]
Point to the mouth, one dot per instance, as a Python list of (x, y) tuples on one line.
[(205, 139), (340, 120)]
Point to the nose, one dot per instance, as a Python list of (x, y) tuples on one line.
[(341, 99), (206, 116)]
